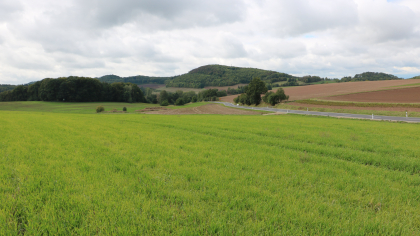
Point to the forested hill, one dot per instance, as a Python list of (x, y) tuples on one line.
[(139, 79), (370, 76), (218, 75), (210, 75), (6, 87)]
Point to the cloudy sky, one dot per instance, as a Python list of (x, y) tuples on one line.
[(329, 38)]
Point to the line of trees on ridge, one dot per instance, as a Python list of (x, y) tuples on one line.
[(75, 89)]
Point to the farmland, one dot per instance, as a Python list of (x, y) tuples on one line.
[(401, 95), (64, 173), (331, 89)]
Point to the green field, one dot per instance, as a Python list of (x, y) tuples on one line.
[(64, 173), (81, 108)]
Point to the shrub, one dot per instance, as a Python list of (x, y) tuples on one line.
[(179, 102), (100, 109), (124, 108), (164, 103)]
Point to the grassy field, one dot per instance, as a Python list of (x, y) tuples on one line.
[(101, 174), (81, 108)]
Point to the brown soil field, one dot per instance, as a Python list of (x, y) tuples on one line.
[(402, 95), (324, 90), (225, 87), (153, 86), (304, 106), (206, 109)]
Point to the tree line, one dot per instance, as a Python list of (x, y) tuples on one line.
[(255, 89), (75, 89)]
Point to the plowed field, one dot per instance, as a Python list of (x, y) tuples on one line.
[(405, 95), (206, 109), (324, 90)]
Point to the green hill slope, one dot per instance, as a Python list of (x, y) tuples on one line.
[(210, 75), (218, 75), (139, 79)]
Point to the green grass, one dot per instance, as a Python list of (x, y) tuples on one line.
[(81, 108), (104, 174)]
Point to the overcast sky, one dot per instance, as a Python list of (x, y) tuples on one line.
[(329, 38)]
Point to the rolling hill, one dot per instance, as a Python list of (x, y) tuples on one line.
[(209, 75)]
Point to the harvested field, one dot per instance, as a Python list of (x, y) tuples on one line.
[(206, 109), (324, 90), (402, 95), (152, 86)]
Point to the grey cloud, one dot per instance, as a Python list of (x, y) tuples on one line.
[(300, 16), (175, 13), (8, 8), (386, 21), (231, 47)]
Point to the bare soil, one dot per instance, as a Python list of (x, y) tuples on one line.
[(324, 90), (205, 109), (401, 95)]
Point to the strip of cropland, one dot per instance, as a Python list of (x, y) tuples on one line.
[(332, 89), (93, 174)]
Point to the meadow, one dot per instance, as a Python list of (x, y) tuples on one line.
[(65, 173), (81, 108)]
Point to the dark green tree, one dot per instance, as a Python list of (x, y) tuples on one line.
[(163, 96), (255, 89)]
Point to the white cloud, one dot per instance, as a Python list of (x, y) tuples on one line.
[(46, 38)]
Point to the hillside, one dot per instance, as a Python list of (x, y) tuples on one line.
[(370, 76), (139, 79), (210, 75), (6, 87), (218, 75)]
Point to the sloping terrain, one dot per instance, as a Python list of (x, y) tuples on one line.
[(401, 95), (325, 90)]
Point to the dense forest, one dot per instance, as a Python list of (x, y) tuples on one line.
[(139, 79), (75, 89), (6, 87), (210, 75), (218, 75), (370, 76)]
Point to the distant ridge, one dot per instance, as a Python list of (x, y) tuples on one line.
[(209, 75)]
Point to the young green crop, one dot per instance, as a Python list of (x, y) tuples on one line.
[(85, 174)]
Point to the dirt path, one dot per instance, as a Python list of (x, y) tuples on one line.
[(205, 109)]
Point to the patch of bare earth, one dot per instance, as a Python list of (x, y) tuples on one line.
[(304, 106), (205, 109), (402, 95), (324, 90)]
